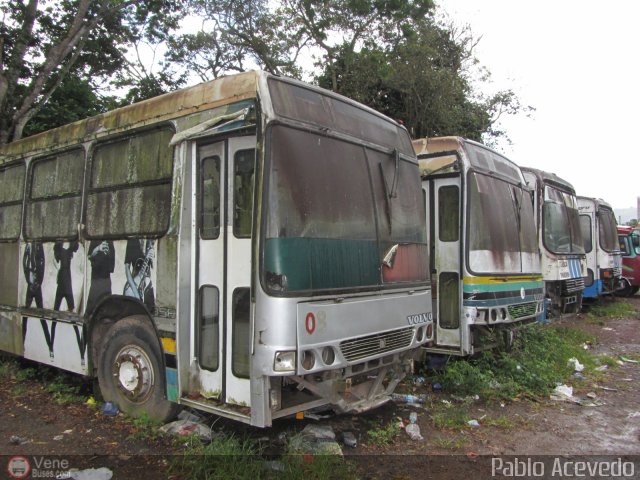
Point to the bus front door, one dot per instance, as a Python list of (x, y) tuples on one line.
[(221, 343), (446, 231)]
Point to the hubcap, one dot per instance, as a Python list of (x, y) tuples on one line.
[(134, 373)]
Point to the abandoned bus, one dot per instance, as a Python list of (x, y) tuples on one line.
[(560, 240), (484, 260), (251, 246), (599, 233), (629, 240)]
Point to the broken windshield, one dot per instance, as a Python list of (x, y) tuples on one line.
[(561, 224), (331, 218), (501, 234), (608, 231)]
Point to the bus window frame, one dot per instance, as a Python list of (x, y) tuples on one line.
[(13, 164), (52, 156), (89, 190)]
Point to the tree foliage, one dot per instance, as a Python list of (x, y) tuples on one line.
[(45, 42), (389, 54)]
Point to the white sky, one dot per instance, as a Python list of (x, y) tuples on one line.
[(578, 64)]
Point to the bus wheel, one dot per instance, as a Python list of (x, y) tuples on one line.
[(130, 371), (634, 290)]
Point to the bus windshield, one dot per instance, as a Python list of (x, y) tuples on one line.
[(340, 214), (501, 234), (561, 223), (608, 231)]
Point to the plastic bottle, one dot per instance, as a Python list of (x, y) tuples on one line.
[(413, 417)]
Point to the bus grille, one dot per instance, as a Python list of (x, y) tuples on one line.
[(522, 310), (363, 347), (573, 285)]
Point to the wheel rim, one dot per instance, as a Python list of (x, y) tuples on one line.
[(133, 372)]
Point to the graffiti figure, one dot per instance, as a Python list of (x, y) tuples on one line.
[(33, 268), (63, 256), (138, 264)]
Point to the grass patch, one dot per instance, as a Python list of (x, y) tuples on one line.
[(229, 456), (146, 428), (499, 422), (8, 367), (598, 313), (536, 363), (62, 391), (381, 436), (451, 418), (448, 443)]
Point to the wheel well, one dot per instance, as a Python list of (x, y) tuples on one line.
[(107, 314)]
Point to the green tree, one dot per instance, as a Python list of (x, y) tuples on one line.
[(425, 78), (45, 42)]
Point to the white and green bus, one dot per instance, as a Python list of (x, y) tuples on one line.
[(252, 246)]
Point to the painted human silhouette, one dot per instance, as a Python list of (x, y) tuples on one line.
[(63, 256), (102, 257), (33, 268)]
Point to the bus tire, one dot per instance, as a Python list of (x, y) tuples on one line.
[(130, 371)]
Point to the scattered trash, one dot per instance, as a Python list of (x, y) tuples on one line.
[(190, 416), (281, 439), (67, 432), (620, 362), (633, 415), (608, 329), (476, 397), (628, 360), (413, 429), (419, 381), (578, 376), (592, 395), (446, 402), (187, 427), (589, 403), (575, 364), (606, 389), (274, 465), (109, 409), (473, 423), (91, 401), (502, 405), (601, 368), (349, 439), (102, 473), (57, 438), (16, 440), (562, 393), (436, 387), (407, 398), (315, 439)]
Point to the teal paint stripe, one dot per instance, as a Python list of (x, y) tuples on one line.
[(506, 287), (171, 376), (501, 302)]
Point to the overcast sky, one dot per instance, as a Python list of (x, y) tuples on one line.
[(578, 64)]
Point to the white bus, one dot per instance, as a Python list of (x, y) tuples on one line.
[(564, 264), (484, 257), (252, 246), (600, 236)]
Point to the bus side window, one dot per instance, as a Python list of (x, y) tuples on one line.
[(55, 196), (11, 194), (130, 186), (244, 165), (209, 333), (210, 188)]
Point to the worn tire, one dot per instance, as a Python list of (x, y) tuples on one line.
[(130, 370)]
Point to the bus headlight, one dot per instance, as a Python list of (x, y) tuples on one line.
[(285, 361)]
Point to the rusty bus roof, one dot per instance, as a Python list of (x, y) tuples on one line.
[(552, 178), (171, 105)]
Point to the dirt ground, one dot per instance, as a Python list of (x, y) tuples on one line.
[(80, 434)]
